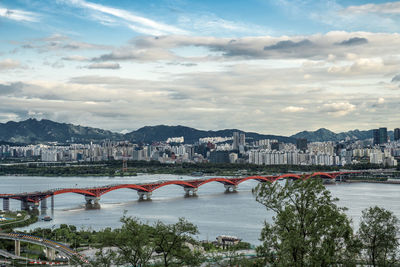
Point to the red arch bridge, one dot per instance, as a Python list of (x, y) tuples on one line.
[(92, 195)]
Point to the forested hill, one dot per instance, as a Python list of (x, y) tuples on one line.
[(323, 134), (33, 131), (191, 135)]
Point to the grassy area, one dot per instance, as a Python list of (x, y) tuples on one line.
[(17, 219), (12, 217)]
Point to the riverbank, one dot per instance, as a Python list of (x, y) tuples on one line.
[(375, 181), (114, 169), (17, 219)]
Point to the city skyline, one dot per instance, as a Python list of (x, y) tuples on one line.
[(276, 67)]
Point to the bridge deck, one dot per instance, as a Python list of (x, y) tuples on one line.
[(61, 248), (37, 196)]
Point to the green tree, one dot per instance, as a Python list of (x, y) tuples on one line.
[(134, 242), (378, 232), (175, 243), (106, 237), (229, 258), (308, 228), (104, 258)]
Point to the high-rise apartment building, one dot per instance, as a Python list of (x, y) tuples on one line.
[(397, 134), (242, 140), (380, 136), (383, 136), (375, 136), (236, 140)]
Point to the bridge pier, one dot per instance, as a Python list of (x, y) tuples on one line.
[(6, 204), (92, 202), (190, 191), (328, 181), (52, 205), (43, 204), (143, 195), (340, 178), (230, 188), (24, 205), (33, 205), (50, 254), (17, 248)]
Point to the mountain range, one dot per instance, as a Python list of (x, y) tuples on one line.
[(33, 131), (323, 134)]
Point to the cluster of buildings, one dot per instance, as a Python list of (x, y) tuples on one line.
[(235, 149)]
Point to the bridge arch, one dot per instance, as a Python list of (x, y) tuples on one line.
[(257, 178), (322, 174), (288, 175), (224, 181), (72, 190), (174, 182), (124, 186)]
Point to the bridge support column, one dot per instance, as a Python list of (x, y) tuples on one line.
[(24, 205), (230, 188), (92, 202), (190, 191), (52, 205), (144, 195), (17, 248), (50, 254), (32, 205), (6, 204), (43, 204)]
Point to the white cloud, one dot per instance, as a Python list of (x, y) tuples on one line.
[(338, 109), (293, 109), (61, 42), (135, 22), (9, 64), (384, 8), (18, 15), (104, 65), (75, 58), (381, 100), (146, 31), (210, 24), (288, 84)]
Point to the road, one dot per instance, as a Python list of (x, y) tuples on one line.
[(61, 248)]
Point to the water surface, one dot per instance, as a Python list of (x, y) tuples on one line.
[(213, 211)]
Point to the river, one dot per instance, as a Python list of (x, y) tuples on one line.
[(213, 211)]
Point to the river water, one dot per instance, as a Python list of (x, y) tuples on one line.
[(213, 211)]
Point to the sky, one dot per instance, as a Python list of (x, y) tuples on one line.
[(269, 66)]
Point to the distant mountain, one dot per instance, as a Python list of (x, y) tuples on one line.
[(149, 134), (33, 131), (323, 134), (317, 136)]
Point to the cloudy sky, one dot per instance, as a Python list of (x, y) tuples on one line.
[(270, 66)]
